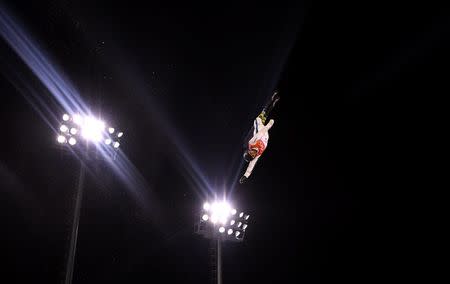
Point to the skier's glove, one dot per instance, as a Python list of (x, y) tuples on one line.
[(243, 179)]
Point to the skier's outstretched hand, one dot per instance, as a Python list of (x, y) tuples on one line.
[(242, 179)]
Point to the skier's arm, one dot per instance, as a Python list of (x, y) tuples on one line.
[(250, 167), (249, 170), (255, 127)]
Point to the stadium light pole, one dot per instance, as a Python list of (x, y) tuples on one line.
[(220, 222), (73, 131)]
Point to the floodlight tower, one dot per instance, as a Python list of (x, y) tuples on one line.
[(79, 130), (220, 222)]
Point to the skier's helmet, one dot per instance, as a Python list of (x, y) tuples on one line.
[(247, 157), (250, 154)]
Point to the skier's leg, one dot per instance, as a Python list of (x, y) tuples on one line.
[(273, 100), (269, 106), (263, 116)]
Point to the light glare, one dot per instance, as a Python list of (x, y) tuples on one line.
[(111, 130), (77, 119), (242, 214), (205, 217), (66, 117), (92, 129), (220, 211), (221, 229), (230, 231), (233, 211), (206, 206), (116, 144), (108, 141), (73, 131), (120, 134)]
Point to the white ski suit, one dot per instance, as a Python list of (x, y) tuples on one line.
[(259, 142)]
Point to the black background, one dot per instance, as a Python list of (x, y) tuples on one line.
[(333, 199)]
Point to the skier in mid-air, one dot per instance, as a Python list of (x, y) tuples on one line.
[(258, 143)]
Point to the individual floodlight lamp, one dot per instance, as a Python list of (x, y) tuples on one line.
[(72, 141), (63, 128), (61, 139), (65, 117)]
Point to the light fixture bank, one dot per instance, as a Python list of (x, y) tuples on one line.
[(93, 130)]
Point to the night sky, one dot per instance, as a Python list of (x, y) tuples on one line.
[(332, 198)]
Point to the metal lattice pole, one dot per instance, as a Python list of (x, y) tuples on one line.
[(75, 224), (219, 260)]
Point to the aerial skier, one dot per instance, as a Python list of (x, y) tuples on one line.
[(258, 143)]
